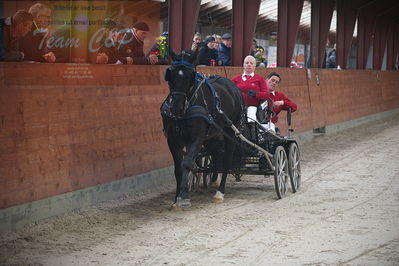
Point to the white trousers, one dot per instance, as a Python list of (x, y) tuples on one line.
[(251, 116)]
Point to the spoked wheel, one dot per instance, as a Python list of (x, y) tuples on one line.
[(294, 167), (193, 178), (237, 176), (281, 175), (204, 163)]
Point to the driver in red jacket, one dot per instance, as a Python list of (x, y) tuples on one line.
[(253, 87)]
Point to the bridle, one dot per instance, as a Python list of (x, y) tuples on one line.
[(189, 91)]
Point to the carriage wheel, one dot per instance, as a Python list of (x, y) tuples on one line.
[(281, 175), (237, 176), (294, 167), (206, 163), (193, 178)]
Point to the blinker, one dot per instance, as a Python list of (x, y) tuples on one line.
[(167, 74)]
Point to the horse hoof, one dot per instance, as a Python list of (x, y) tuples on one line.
[(218, 198), (215, 200), (183, 203), (174, 207), (215, 184)]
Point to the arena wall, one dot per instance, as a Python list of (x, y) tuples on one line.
[(66, 127)]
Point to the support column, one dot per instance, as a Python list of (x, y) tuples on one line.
[(289, 14), (380, 40), (395, 43), (384, 25), (183, 16), (322, 11), (390, 47), (245, 15), (365, 25), (346, 20)]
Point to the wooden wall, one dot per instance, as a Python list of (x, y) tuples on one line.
[(61, 133), (65, 127)]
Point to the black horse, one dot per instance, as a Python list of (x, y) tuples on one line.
[(196, 113)]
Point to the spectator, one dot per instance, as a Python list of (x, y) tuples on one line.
[(11, 29), (280, 101), (108, 51), (34, 43), (218, 40), (197, 39), (207, 52), (331, 58), (131, 48), (224, 53), (260, 57), (253, 87)]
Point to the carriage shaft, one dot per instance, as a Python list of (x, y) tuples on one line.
[(267, 154)]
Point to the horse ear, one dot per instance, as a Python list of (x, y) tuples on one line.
[(167, 74)]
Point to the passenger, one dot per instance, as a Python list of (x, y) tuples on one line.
[(253, 87), (11, 29), (280, 101), (34, 44), (207, 52), (131, 49), (224, 53)]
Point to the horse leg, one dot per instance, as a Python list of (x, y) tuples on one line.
[(216, 166), (177, 153), (217, 158), (183, 199), (227, 161)]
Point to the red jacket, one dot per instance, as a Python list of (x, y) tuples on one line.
[(278, 96), (256, 83)]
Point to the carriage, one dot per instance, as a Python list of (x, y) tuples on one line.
[(201, 113), (258, 152)]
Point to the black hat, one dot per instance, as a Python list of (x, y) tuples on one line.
[(141, 26), (209, 39), (226, 36)]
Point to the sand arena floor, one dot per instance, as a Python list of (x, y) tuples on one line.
[(346, 213)]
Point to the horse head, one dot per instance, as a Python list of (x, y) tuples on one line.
[(181, 79)]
